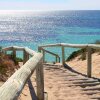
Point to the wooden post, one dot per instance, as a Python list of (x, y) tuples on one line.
[(63, 55), (4, 51), (25, 57), (40, 81), (43, 56), (89, 62), (56, 59), (59, 59), (39, 49), (14, 53)]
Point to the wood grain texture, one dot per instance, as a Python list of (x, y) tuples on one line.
[(89, 62), (53, 54), (95, 46), (66, 45), (40, 81), (12, 88), (63, 55)]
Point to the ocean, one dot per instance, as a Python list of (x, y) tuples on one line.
[(32, 29)]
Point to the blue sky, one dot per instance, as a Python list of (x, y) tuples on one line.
[(49, 5)]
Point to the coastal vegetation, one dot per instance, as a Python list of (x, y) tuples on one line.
[(8, 65), (82, 53)]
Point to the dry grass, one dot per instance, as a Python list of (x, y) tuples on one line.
[(7, 66)]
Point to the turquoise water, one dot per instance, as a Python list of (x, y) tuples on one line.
[(32, 29)]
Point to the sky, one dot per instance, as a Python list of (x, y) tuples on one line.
[(38, 5)]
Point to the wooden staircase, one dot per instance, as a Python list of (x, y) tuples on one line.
[(65, 78)]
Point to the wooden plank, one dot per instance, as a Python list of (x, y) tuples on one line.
[(40, 80), (74, 79), (7, 48), (89, 62), (4, 51), (14, 53), (18, 48), (43, 55), (63, 55), (88, 84), (56, 59), (39, 49), (66, 45), (29, 51), (51, 45), (94, 46), (49, 52), (88, 81), (91, 88), (91, 92), (25, 57), (95, 97), (15, 47), (46, 51), (74, 45), (59, 59)]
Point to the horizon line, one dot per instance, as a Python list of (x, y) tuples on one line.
[(53, 10)]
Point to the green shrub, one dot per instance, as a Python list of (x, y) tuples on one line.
[(97, 42), (15, 59), (8, 64), (0, 49), (82, 52)]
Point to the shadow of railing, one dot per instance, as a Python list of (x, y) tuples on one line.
[(32, 91), (74, 71)]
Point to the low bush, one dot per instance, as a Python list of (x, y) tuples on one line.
[(82, 52), (7, 66)]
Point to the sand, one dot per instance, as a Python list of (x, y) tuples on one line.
[(81, 66), (57, 86)]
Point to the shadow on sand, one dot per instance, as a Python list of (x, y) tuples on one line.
[(74, 71)]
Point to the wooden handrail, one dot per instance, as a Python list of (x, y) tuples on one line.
[(17, 81), (88, 46), (95, 46), (29, 51), (49, 52), (66, 45), (56, 55)]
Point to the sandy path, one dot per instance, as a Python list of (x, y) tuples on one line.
[(59, 86)]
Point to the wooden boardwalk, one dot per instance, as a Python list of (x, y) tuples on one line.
[(63, 84), (66, 85)]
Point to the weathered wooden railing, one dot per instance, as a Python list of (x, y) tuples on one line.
[(57, 58), (63, 45), (12, 88)]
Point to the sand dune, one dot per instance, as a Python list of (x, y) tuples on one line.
[(81, 66)]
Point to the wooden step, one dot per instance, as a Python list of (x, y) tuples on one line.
[(95, 97), (90, 92), (74, 79), (86, 81), (87, 84), (91, 88), (65, 75)]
